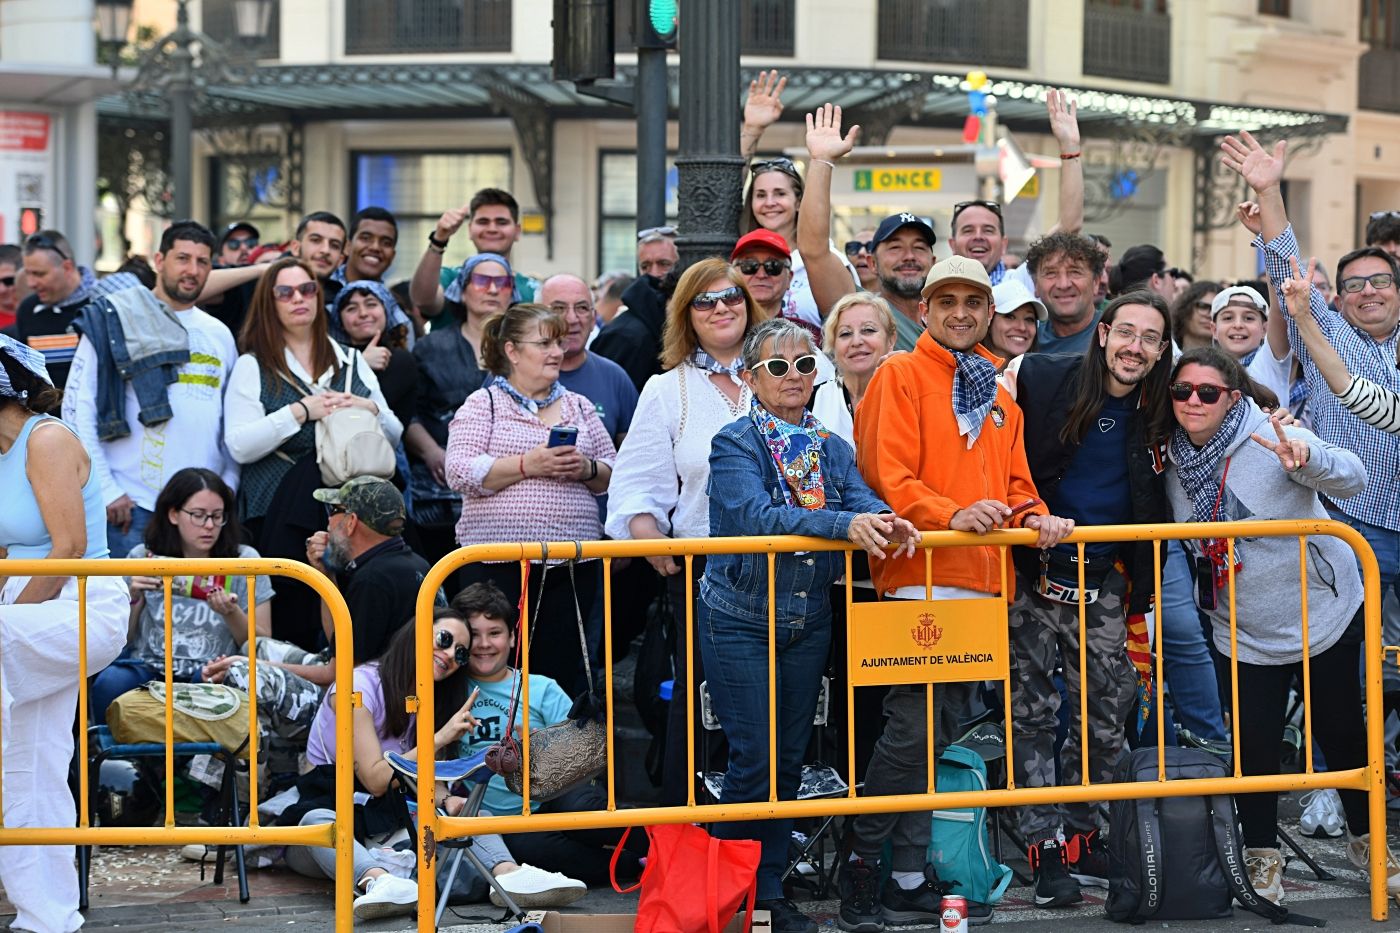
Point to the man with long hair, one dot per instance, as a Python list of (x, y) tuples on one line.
[(1095, 429)]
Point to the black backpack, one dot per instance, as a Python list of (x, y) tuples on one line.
[(1179, 858)]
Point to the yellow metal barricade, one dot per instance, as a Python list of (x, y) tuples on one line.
[(339, 835), (1370, 780)]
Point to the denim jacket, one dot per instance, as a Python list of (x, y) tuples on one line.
[(150, 377), (746, 498)]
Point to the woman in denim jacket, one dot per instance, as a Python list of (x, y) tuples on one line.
[(777, 471)]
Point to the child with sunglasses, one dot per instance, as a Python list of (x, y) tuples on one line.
[(1229, 461)]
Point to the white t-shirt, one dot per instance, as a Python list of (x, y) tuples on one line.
[(798, 298), (140, 464), (1273, 374)]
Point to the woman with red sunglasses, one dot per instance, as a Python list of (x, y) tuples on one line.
[(1229, 461)]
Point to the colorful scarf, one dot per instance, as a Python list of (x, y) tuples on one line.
[(708, 364), (796, 450), (974, 391), (26, 356), (454, 290), (533, 406)]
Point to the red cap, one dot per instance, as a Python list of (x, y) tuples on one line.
[(761, 237)]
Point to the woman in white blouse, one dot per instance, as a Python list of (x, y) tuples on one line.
[(290, 375), (659, 480)]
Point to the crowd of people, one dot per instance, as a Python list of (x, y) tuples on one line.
[(199, 406)]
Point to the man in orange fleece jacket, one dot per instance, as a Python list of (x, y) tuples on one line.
[(940, 441)]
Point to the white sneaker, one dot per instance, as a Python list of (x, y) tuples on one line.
[(534, 887), (196, 852), (387, 896), (1322, 817), (1265, 867), (1359, 854)]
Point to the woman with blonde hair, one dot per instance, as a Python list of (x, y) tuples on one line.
[(659, 486), (857, 334)]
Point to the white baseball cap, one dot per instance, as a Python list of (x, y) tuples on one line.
[(1011, 294), (1239, 291)]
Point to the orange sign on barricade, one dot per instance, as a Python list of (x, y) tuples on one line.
[(928, 641)]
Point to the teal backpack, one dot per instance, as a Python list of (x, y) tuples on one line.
[(958, 845)]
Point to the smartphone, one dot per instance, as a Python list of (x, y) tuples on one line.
[(563, 435), (1205, 583), (1028, 504)]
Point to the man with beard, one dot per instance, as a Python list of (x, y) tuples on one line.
[(1066, 269), (133, 453), (1096, 426), (903, 252)]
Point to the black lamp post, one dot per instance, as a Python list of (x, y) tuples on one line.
[(709, 165), (171, 68)]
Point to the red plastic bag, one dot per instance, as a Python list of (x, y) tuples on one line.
[(693, 882)]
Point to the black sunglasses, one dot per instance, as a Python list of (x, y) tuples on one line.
[(238, 242), (771, 266), (336, 509), (778, 367), (40, 241), (1208, 394), (961, 206), (7, 280), (706, 301), (853, 247), (443, 641)]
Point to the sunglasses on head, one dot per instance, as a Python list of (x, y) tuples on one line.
[(443, 640), (238, 242), (853, 247), (786, 166), (656, 231), (285, 292), (1207, 392), (706, 301), (482, 280), (961, 206), (1377, 215), (40, 241), (778, 367), (771, 266)]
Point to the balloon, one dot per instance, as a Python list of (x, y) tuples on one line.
[(977, 80), (972, 128), (977, 103)]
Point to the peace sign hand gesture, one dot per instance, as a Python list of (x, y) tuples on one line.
[(1297, 288), (1293, 453)]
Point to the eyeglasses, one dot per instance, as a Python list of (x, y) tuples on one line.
[(7, 280), (285, 292), (582, 309), (732, 297), (656, 231), (546, 344), (238, 242), (961, 206), (1150, 342), (771, 266), (200, 517), (1201, 305), (786, 166), (1378, 281), (853, 247), (1207, 392), (778, 367), (443, 640), (42, 241), (482, 280)]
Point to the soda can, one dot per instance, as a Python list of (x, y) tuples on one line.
[(954, 919)]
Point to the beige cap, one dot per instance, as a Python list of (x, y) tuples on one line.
[(957, 269)]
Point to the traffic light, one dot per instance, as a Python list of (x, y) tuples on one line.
[(656, 24), (583, 40)]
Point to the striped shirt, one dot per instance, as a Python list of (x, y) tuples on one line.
[(1373, 404), (1364, 356)]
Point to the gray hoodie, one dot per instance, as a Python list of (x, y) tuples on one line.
[(1267, 595)]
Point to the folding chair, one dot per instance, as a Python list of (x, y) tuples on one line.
[(104, 748), (472, 770), (819, 781)]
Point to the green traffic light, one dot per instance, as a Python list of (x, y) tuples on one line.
[(663, 17)]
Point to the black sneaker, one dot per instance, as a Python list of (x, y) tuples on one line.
[(978, 913), (1088, 859), (1053, 885), (785, 917), (921, 905), (860, 901)]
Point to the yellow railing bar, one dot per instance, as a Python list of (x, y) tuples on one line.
[(608, 675), (84, 819)]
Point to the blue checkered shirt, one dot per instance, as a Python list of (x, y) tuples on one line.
[(1379, 503)]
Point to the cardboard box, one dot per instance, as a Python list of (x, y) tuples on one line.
[(555, 922)]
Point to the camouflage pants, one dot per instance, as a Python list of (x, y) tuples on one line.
[(287, 702), (1042, 632)]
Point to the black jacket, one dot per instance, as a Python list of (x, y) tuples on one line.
[(1045, 389), (632, 340)]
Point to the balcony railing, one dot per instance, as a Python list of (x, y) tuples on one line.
[(765, 26), (406, 27), (1134, 45), (973, 32), (219, 23), (1378, 83)]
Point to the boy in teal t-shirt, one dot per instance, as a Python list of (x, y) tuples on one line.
[(548, 704)]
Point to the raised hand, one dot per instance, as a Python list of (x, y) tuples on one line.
[(824, 139), (376, 356), (1247, 213), (1297, 288), (451, 221), (1064, 119), (1292, 452), (765, 101), (1261, 169)]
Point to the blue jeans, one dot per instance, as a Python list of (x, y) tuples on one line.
[(735, 654), (123, 674), (119, 543), (1190, 672), (1386, 544)]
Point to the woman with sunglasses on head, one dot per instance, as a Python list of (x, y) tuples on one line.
[(777, 471), (291, 374), (450, 369), (195, 517), (659, 488), (1229, 461), (529, 458)]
